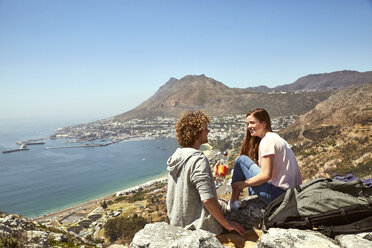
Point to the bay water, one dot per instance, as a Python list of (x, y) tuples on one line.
[(40, 181)]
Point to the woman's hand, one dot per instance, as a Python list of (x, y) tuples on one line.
[(239, 186)]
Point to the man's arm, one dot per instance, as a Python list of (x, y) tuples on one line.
[(214, 209)]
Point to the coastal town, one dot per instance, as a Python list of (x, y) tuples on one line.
[(231, 127), (228, 128)]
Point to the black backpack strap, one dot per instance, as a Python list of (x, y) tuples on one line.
[(298, 187), (364, 225)]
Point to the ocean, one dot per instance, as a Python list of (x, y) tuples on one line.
[(40, 181)]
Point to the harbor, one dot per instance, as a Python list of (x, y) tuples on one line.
[(16, 150), (23, 145)]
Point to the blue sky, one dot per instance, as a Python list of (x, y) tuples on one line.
[(95, 59)]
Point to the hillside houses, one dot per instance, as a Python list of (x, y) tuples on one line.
[(221, 127)]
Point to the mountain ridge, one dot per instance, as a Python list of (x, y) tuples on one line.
[(196, 92), (336, 80)]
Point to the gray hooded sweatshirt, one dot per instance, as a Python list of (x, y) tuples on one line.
[(190, 181)]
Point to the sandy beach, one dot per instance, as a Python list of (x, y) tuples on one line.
[(86, 208)]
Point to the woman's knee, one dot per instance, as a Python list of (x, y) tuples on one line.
[(243, 160)]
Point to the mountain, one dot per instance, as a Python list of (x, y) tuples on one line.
[(261, 88), (334, 137), (196, 92), (323, 81)]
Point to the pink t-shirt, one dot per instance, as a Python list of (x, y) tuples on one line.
[(286, 172)]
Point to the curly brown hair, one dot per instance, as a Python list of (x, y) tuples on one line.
[(189, 126)]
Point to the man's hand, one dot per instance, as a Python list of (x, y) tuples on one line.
[(215, 170), (234, 226), (212, 206)]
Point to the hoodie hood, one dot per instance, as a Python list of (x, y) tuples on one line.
[(177, 160)]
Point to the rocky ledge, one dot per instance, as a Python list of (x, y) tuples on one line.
[(17, 231), (163, 235)]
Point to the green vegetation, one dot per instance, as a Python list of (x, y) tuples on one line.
[(344, 152), (14, 241), (85, 223), (18, 239), (119, 199), (222, 145), (138, 196), (54, 243), (306, 153), (352, 152), (361, 170), (319, 133), (124, 228), (290, 134)]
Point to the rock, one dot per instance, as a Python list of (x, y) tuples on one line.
[(280, 238), (12, 223), (164, 235), (59, 237), (362, 240), (36, 239), (250, 213), (22, 232)]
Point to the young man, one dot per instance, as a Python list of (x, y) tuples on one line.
[(192, 197)]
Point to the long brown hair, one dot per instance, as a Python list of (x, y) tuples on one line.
[(251, 143)]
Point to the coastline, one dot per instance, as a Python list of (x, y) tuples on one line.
[(138, 166), (91, 205)]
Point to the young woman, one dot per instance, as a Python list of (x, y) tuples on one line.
[(266, 165)]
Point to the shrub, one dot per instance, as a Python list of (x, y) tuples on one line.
[(120, 198), (7, 241), (221, 144), (124, 228), (138, 196), (94, 217), (75, 229)]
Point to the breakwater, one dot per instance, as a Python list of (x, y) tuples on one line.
[(80, 146), (77, 146)]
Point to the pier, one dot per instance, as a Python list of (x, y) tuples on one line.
[(79, 146), (35, 143), (31, 142), (16, 150), (23, 145)]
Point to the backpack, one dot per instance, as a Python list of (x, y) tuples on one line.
[(329, 206)]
